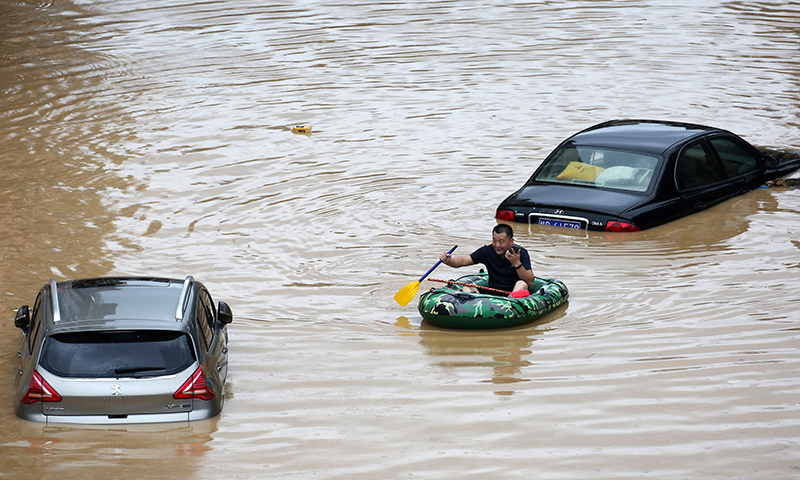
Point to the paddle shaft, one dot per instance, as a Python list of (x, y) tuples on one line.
[(437, 264)]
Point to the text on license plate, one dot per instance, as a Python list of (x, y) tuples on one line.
[(559, 223)]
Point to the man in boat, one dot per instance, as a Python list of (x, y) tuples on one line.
[(509, 268)]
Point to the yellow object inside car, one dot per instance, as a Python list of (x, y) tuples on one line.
[(580, 171)]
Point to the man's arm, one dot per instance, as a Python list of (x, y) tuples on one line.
[(523, 273), (455, 262), (526, 275)]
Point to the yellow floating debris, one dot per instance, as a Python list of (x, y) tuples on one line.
[(302, 130)]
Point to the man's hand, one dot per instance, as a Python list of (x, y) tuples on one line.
[(445, 258), (513, 257)]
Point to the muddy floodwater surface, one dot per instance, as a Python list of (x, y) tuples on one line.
[(155, 138)]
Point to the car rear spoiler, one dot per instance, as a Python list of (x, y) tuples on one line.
[(54, 301), (184, 299)]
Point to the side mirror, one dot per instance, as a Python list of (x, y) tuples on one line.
[(224, 313), (770, 162), (23, 318)]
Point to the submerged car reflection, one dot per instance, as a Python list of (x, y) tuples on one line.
[(629, 175), (122, 350)]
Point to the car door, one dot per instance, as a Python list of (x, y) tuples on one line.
[(215, 337), (741, 162), (700, 178)]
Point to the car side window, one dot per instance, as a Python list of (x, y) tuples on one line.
[(697, 168), (205, 318), (36, 320), (736, 159)]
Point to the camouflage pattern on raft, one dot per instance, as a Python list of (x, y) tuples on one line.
[(449, 307)]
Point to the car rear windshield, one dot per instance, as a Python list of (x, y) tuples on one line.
[(599, 167), (116, 354)]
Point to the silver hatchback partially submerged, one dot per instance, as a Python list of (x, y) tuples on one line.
[(122, 350)]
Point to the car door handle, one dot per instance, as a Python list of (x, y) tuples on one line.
[(219, 368), (224, 349), (20, 371)]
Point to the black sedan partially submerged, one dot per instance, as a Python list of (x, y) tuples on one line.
[(630, 175)]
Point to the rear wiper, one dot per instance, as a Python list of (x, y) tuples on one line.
[(123, 371)]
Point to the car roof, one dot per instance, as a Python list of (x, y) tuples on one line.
[(648, 136), (109, 302)]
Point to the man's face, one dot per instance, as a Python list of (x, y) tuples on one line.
[(501, 243)]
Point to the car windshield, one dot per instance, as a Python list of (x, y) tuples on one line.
[(111, 299), (600, 167), (116, 354)]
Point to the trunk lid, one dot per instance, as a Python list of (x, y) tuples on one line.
[(116, 397)]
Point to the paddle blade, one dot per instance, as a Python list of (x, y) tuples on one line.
[(407, 293)]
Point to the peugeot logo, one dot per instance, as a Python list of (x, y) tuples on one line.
[(559, 212), (116, 389)]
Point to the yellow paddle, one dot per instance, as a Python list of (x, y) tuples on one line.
[(407, 293)]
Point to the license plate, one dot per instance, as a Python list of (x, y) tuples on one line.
[(559, 223)]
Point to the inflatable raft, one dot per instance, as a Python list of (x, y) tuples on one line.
[(449, 307)]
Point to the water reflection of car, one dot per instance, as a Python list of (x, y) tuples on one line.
[(629, 175), (122, 350)]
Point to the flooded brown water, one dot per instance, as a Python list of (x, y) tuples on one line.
[(155, 138)]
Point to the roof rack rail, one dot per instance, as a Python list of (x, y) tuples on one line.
[(184, 297), (54, 300)]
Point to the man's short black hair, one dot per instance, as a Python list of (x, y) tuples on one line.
[(503, 228)]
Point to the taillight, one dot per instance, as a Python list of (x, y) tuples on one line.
[(40, 391), (194, 387), (621, 227), (505, 215)]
